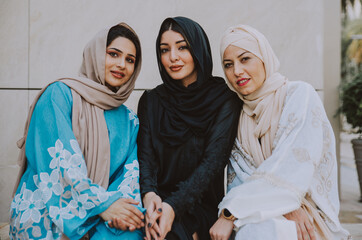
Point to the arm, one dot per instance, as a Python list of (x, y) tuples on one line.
[(281, 181), (129, 212), (216, 154), (148, 170), (71, 200)]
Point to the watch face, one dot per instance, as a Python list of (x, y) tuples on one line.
[(227, 213)]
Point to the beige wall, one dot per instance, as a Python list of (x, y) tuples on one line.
[(42, 40)]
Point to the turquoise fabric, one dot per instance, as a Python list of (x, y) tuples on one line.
[(55, 195)]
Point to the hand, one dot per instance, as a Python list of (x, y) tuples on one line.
[(153, 203), (123, 215), (305, 228), (222, 229), (166, 219)]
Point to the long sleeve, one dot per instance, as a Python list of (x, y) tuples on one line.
[(55, 187), (303, 160), (146, 153), (216, 153)]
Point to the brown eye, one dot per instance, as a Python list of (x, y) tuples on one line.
[(227, 65), (163, 50)]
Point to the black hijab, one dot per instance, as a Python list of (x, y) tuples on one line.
[(189, 110)]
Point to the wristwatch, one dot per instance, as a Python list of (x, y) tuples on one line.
[(227, 215)]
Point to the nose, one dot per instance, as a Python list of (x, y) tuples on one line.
[(174, 55), (121, 63), (238, 70)]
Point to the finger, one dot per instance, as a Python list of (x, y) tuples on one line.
[(305, 235), (153, 218), (131, 201), (131, 227), (310, 230), (116, 223), (159, 206), (136, 212), (148, 235), (153, 233), (110, 224), (299, 233), (157, 229)]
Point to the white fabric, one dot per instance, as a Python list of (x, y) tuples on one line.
[(275, 228), (303, 161)]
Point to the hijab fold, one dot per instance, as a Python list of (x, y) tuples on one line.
[(190, 110), (262, 109), (90, 98)]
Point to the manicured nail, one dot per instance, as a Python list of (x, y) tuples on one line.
[(160, 210), (149, 225)]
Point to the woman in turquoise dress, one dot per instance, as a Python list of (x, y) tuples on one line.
[(79, 172)]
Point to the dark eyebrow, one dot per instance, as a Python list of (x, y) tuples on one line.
[(225, 60), (176, 42), (117, 50), (243, 54)]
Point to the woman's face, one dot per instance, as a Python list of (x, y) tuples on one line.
[(244, 70), (176, 58), (120, 61)]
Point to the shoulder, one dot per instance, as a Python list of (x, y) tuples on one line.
[(299, 87), (151, 95), (57, 92)]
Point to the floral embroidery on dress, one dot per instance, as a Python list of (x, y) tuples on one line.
[(133, 116), (301, 154), (317, 117), (65, 186), (130, 185)]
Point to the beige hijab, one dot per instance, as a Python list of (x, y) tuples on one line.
[(261, 112), (90, 98)]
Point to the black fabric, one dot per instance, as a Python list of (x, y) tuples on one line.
[(189, 110), (189, 176)]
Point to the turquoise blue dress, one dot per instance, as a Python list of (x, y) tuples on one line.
[(55, 195)]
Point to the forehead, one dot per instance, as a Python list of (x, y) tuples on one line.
[(123, 44), (233, 52), (171, 36)]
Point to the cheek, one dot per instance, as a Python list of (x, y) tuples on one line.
[(131, 69), (164, 61), (229, 74)]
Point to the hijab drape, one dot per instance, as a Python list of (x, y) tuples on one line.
[(90, 98), (262, 109), (190, 110)]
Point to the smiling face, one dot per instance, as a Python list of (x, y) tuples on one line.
[(244, 70), (176, 58), (120, 62)]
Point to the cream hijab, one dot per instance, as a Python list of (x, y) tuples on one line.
[(262, 109), (90, 98)]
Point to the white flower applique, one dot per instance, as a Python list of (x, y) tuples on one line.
[(57, 153), (58, 214), (80, 203), (133, 116), (130, 185), (49, 184), (31, 204)]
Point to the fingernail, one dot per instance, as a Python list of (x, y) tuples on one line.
[(149, 225), (160, 210)]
